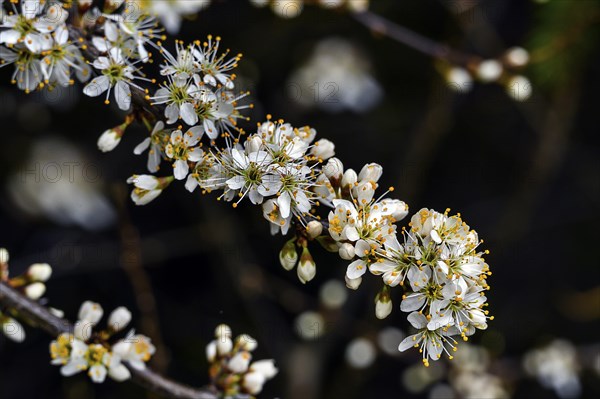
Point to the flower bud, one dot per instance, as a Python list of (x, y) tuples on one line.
[(346, 251), (383, 303), (109, 140), (246, 342), (91, 312), (12, 329), (224, 346), (211, 351), (35, 291), (353, 283), (39, 272), (323, 149), (517, 57), (4, 256), (370, 172), (265, 367), (519, 88), (489, 71), (119, 319), (364, 191), (239, 363), (253, 382), (253, 144), (334, 170), (350, 178), (314, 228), (83, 330), (288, 257), (222, 331), (459, 79), (307, 269)]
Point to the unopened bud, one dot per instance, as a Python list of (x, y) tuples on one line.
[(91, 312), (119, 319), (222, 331), (370, 172), (307, 269), (459, 79), (519, 88), (489, 70), (39, 272), (83, 330), (364, 191), (224, 346), (211, 351), (253, 144), (240, 362), (288, 257), (246, 342), (334, 170), (517, 57), (109, 140), (35, 291), (346, 251), (323, 149), (350, 178), (353, 283), (265, 367), (314, 228), (383, 303), (12, 329)]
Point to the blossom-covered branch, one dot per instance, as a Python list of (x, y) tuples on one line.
[(191, 111), (42, 318)]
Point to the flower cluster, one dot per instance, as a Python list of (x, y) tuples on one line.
[(232, 370), (87, 350), (30, 283), (446, 278), (293, 8), (35, 40), (291, 176)]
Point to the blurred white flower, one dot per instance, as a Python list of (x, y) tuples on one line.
[(336, 78), (556, 367), (58, 183), (360, 353)]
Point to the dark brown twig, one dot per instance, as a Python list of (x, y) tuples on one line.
[(414, 40)]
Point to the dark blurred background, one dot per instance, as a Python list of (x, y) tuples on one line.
[(524, 174)]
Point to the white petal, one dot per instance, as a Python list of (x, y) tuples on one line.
[(97, 373), (409, 342), (181, 169), (97, 86), (418, 320), (356, 269), (172, 113), (188, 114), (143, 146), (284, 201), (412, 302), (123, 95)]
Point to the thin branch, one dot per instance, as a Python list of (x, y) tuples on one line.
[(414, 40), (41, 318)]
